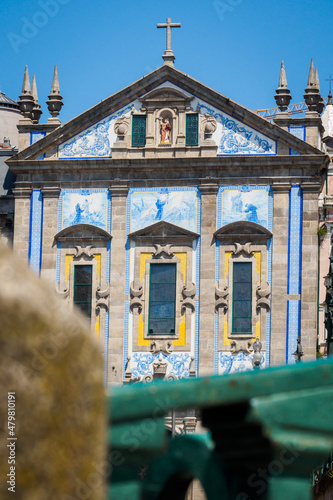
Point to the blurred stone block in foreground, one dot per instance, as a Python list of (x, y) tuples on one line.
[(55, 369)]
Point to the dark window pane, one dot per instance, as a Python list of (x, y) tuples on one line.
[(83, 274), (192, 129), (242, 291), (162, 309), (242, 308), (242, 272), (161, 326), (162, 298), (160, 292), (83, 288), (162, 273), (82, 293), (242, 298), (242, 325), (139, 130)]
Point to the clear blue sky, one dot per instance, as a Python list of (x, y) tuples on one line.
[(100, 46)]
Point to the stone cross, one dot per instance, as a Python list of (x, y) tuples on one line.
[(168, 53)]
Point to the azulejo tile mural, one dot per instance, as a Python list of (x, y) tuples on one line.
[(95, 141), (141, 363), (85, 206), (235, 363), (235, 138), (178, 207), (245, 203)]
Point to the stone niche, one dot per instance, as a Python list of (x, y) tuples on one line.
[(165, 109)]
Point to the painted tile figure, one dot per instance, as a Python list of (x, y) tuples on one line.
[(85, 208), (246, 204)]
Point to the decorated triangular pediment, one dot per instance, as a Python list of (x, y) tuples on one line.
[(243, 230), (82, 233), (231, 128), (163, 232)]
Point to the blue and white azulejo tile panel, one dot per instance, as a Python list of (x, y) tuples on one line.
[(85, 206), (235, 363), (141, 363), (248, 203), (179, 206), (234, 137), (35, 232), (95, 141)]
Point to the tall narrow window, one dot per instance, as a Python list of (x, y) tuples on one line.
[(139, 131), (83, 288), (162, 299), (192, 129), (242, 298)]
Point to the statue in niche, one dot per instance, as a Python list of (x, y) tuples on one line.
[(165, 131)]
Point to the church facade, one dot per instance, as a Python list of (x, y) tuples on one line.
[(182, 224)]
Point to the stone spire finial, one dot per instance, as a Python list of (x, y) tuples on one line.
[(283, 76), (282, 95), (329, 100), (26, 101), (55, 99), (168, 55), (36, 110), (55, 88), (312, 75), (26, 82), (312, 95)]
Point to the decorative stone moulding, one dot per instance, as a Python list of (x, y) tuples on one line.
[(87, 251), (161, 346), (162, 249), (263, 292), (188, 292), (136, 294), (121, 127), (246, 248), (221, 298), (208, 125), (62, 292), (242, 232), (241, 345)]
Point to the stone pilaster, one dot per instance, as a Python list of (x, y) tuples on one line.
[(22, 221), (207, 278), (50, 223), (309, 290), (117, 282), (279, 272)]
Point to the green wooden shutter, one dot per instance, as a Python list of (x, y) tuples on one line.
[(162, 299), (192, 129), (242, 298), (83, 288), (139, 131)]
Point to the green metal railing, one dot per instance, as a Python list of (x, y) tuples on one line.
[(266, 432)]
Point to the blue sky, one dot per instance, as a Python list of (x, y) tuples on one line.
[(233, 46)]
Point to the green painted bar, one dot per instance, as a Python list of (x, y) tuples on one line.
[(137, 401)]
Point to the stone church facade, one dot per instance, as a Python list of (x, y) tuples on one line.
[(181, 223)]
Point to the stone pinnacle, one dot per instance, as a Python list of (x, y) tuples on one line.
[(283, 77), (26, 82)]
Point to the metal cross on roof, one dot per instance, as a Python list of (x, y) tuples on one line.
[(168, 54), (330, 79)]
